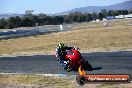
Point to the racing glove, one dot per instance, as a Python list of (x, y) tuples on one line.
[(66, 62)]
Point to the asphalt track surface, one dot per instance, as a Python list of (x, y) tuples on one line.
[(33, 31), (102, 62)]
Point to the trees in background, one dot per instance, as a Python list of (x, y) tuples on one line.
[(3, 23), (29, 19)]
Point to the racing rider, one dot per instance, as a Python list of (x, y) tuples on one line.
[(61, 52)]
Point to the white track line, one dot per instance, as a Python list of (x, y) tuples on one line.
[(55, 75)]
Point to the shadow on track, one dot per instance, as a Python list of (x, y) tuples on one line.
[(97, 68)]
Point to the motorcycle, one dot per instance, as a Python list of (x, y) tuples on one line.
[(76, 60)]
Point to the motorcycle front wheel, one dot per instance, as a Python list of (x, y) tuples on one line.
[(68, 68)]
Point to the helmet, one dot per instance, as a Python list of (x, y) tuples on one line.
[(61, 45)]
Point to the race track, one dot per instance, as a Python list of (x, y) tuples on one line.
[(102, 62)]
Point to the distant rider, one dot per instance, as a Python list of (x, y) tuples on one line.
[(61, 52)]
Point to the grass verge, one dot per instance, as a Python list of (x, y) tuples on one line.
[(87, 36), (35, 80), (40, 81)]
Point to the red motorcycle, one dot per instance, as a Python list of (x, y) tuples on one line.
[(76, 60)]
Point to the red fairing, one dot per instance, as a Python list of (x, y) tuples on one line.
[(74, 56)]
